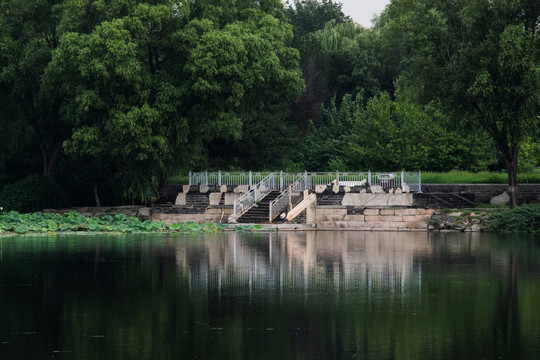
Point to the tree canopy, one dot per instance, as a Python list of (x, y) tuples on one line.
[(481, 61), (102, 95)]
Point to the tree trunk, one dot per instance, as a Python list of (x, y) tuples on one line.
[(96, 196), (49, 154), (510, 160), (162, 190)]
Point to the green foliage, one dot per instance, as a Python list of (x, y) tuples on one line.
[(12, 221), (480, 61), (323, 148), (525, 218), (312, 15), (152, 84), (33, 193), (391, 134)]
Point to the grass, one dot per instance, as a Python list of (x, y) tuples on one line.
[(464, 177)]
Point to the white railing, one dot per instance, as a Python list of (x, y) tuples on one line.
[(226, 178), (258, 192), (285, 198), (385, 179)]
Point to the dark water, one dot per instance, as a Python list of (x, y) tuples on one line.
[(315, 295)]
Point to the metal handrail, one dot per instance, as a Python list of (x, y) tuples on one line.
[(412, 179), (285, 198), (259, 191)]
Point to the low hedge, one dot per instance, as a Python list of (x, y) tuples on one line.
[(33, 193), (522, 219)]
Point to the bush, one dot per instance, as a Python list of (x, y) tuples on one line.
[(524, 218), (33, 193)]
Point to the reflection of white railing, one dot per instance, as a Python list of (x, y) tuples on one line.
[(258, 192), (387, 180), (285, 198)]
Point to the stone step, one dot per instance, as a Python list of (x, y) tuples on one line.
[(259, 213)]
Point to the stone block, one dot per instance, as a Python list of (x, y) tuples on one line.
[(331, 215), (371, 212), (427, 212), (326, 224), (144, 213), (363, 191), (377, 225), (203, 189), (375, 189), (335, 189), (386, 212), (342, 224), (406, 188), (400, 200), (393, 218), (185, 188), (241, 189), (373, 218), (356, 224), (398, 225), (347, 189), (351, 199), (413, 218), (406, 211), (231, 197), (223, 188), (398, 191), (501, 199), (214, 198), (319, 189), (354, 218), (180, 199)]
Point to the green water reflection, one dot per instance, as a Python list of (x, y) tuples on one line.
[(314, 295)]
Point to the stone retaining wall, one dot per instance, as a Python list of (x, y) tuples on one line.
[(483, 193), (343, 217), (171, 215)]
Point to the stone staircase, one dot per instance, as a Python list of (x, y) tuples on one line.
[(259, 213), (445, 200), (197, 201)]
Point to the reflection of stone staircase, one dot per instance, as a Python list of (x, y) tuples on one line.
[(259, 213)]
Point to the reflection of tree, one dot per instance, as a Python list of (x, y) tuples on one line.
[(120, 298), (509, 314)]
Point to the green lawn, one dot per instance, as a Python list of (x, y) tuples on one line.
[(464, 177)]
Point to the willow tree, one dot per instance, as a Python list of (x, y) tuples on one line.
[(481, 60), (151, 82)]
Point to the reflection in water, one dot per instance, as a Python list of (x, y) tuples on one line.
[(281, 295), (306, 261)]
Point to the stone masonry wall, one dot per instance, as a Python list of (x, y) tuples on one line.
[(483, 193), (342, 217)]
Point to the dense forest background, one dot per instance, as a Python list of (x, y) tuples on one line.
[(102, 100)]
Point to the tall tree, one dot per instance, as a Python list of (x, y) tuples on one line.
[(28, 35), (481, 59), (153, 82)]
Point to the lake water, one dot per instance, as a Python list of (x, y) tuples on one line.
[(280, 295)]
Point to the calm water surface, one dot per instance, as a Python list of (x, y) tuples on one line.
[(313, 295)]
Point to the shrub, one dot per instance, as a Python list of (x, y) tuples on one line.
[(33, 193), (525, 218)]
